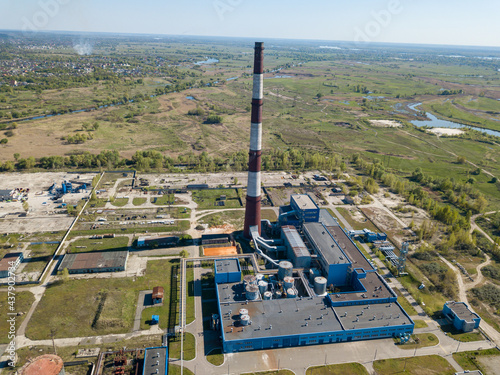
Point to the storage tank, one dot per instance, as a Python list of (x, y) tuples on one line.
[(259, 277), (268, 295), (278, 294), (288, 282), (313, 273), (243, 312), (252, 292), (47, 364), (249, 280), (320, 285), (285, 268), (262, 286), (291, 293), (245, 319)]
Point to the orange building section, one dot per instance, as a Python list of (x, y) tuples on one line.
[(220, 251), (47, 364)]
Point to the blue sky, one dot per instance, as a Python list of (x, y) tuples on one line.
[(457, 22)]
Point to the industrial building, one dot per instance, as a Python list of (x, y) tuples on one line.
[(171, 241), (93, 262), (155, 361), (10, 262), (462, 318), (157, 296), (326, 292)]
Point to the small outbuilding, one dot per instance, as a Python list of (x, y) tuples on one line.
[(462, 318), (155, 319), (158, 293)]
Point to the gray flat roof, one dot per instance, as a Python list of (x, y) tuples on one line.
[(231, 292), (325, 243), (287, 316), (93, 260), (462, 311), (227, 265), (295, 241), (155, 358), (357, 258), (326, 218), (303, 201), (375, 289), (371, 316)]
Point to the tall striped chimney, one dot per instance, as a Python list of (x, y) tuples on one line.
[(252, 211)]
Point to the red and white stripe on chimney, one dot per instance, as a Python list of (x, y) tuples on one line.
[(252, 211)]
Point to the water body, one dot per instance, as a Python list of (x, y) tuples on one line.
[(207, 61), (434, 122)]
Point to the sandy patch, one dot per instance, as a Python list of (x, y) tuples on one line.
[(385, 123), (446, 131), (219, 251)]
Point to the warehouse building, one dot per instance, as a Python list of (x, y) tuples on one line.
[(227, 271), (9, 263), (94, 262), (296, 250)]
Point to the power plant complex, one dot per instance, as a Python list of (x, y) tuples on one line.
[(317, 287)]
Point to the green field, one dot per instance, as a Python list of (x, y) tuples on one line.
[(345, 368), (90, 244), (215, 357), (174, 347), (419, 340), (207, 199), (20, 302), (112, 306), (431, 364)]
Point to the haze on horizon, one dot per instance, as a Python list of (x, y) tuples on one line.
[(394, 21)]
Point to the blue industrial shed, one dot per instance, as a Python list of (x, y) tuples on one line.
[(462, 318), (227, 271)]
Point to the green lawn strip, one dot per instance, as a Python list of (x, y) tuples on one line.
[(207, 199), (420, 324), (90, 307), (461, 336), (268, 214), (234, 218), (119, 202), (139, 201), (116, 243), (190, 313), (419, 340), (174, 347), (20, 303), (430, 364), (277, 372), (340, 369), (180, 225), (469, 360), (176, 370), (215, 357), (38, 257), (405, 304)]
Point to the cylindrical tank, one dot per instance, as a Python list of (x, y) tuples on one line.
[(291, 293), (243, 312), (277, 294), (249, 280), (313, 273), (252, 292), (47, 364), (259, 277), (245, 319), (285, 268), (262, 286), (268, 295), (320, 285), (288, 282)]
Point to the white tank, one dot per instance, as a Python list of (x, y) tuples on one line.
[(291, 293), (268, 295), (259, 277), (285, 268), (262, 286), (320, 285), (252, 292), (245, 319), (243, 312), (288, 282)]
